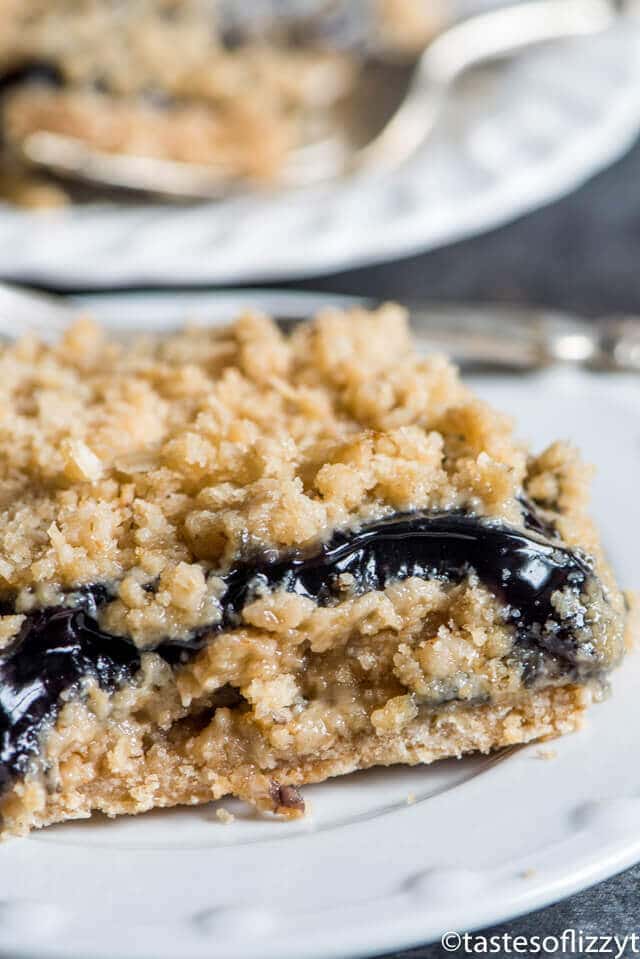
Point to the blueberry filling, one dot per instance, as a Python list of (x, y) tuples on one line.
[(56, 650), (37, 71), (59, 648)]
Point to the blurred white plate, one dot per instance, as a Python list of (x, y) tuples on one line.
[(527, 133), (484, 839)]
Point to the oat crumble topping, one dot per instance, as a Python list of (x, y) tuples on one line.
[(171, 458)]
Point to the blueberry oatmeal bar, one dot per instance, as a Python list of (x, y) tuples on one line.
[(219, 83), (235, 561)]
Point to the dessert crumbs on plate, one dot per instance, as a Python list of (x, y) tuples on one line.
[(224, 816)]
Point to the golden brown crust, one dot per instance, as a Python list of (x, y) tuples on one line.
[(167, 777)]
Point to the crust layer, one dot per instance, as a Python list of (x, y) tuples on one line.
[(163, 776)]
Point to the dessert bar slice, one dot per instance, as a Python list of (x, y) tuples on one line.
[(234, 561), (209, 82)]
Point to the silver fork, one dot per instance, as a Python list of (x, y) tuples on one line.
[(367, 141)]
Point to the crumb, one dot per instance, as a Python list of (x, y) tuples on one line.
[(546, 754), (286, 800), (225, 817), (528, 874), (411, 798)]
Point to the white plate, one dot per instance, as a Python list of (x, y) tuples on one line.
[(485, 839), (540, 127)]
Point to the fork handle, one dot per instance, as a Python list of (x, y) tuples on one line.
[(508, 30), (481, 38), (527, 339)]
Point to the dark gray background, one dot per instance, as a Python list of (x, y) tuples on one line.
[(610, 908), (581, 254)]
